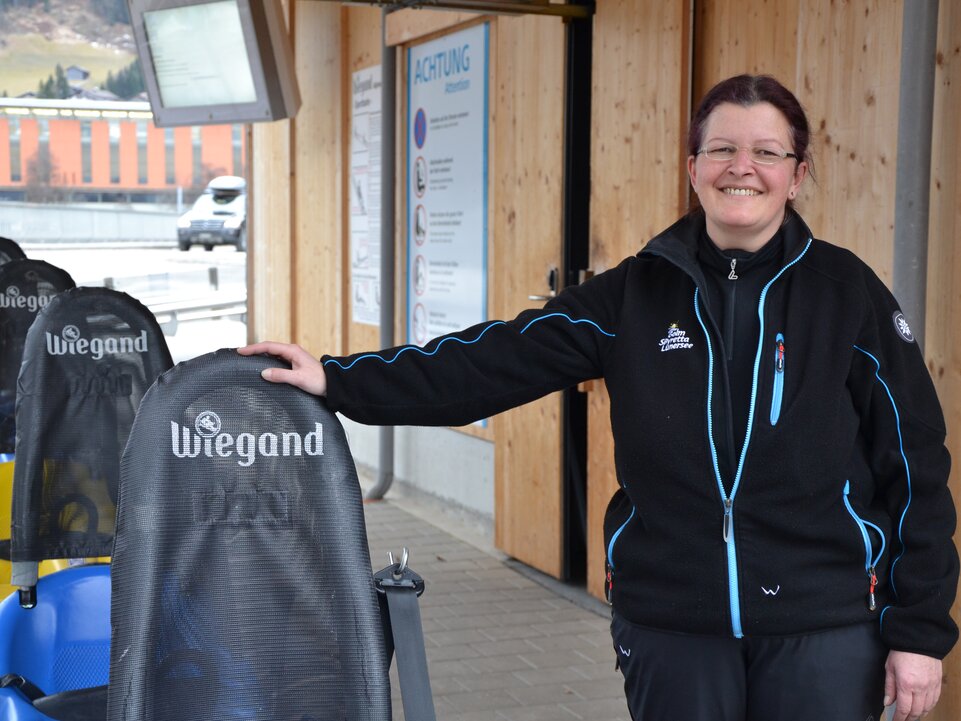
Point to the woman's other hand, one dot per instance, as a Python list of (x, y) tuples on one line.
[(306, 372), (914, 681)]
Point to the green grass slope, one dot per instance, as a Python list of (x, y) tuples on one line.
[(26, 60)]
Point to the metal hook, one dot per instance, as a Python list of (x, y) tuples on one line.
[(404, 556)]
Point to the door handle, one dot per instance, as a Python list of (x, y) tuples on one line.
[(552, 276)]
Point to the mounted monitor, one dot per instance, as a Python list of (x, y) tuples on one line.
[(215, 61)]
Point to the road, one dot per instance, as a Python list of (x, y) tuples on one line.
[(154, 275)]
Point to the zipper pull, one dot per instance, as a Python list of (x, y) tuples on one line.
[(728, 519), (732, 275), (872, 604), (779, 364), (609, 585)]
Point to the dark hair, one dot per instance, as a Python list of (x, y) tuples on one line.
[(747, 90)]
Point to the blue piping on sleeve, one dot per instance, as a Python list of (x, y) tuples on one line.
[(464, 342), (907, 468)]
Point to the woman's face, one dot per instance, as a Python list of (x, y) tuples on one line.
[(744, 201)]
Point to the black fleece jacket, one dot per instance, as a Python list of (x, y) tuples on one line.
[(837, 509)]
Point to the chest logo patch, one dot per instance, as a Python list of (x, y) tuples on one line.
[(902, 327), (676, 339)]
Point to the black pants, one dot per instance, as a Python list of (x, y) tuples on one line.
[(835, 675)]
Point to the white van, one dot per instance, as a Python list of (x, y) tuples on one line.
[(218, 217)]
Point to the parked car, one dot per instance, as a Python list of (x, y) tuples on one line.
[(218, 217)]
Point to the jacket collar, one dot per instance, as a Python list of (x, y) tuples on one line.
[(678, 243)]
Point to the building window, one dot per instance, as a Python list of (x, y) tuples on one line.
[(198, 160), (86, 164), (170, 175), (42, 164), (16, 173), (142, 152), (114, 127), (237, 136)]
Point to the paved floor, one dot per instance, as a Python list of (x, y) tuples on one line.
[(501, 644)]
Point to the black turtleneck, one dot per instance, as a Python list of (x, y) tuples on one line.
[(735, 279)]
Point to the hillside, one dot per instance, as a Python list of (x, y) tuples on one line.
[(70, 32)]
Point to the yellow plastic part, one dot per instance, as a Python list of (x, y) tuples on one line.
[(6, 502)]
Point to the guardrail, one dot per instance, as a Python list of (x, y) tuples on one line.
[(171, 312)]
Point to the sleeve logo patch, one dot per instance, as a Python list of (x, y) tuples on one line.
[(902, 327)]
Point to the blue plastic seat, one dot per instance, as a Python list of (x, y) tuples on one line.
[(62, 644)]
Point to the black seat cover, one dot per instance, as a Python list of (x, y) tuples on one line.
[(241, 577), (88, 360), (26, 286), (9, 250)]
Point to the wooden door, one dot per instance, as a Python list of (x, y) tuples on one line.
[(527, 178)]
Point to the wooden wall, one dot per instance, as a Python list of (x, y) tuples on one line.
[(296, 251)]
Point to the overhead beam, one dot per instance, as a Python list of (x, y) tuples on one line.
[(482, 6)]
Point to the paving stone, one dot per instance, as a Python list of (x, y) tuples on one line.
[(611, 708), (477, 700), (542, 695), (501, 646), (488, 664)]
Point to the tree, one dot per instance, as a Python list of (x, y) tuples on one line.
[(128, 81), (46, 88), (61, 86), (55, 86)]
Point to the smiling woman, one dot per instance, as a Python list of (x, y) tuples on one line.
[(780, 447), (745, 167)]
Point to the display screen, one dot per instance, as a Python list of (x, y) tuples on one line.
[(200, 55)]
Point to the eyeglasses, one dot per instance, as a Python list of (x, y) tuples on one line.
[(764, 156)]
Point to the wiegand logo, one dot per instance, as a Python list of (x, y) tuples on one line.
[(208, 438), (207, 424), (71, 342), (13, 298)]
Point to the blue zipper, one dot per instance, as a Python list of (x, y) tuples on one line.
[(778, 378), (727, 501), (610, 546), (727, 531), (609, 575), (870, 561)]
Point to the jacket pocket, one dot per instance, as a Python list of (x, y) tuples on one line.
[(871, 560), (620, 512), (778, 393)]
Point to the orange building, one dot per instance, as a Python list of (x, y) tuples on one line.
[(108, 150)]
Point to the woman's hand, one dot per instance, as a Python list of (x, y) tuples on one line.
[(914, 681), (306, 372)]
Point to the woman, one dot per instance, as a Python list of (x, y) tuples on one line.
[(780, 546)]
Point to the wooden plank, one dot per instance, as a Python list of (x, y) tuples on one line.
[(641, 81), (737, 37), (318, 179), (269, 229), (527, 168), (270, 233), (405, 26), (854, 110), (942, 338)]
